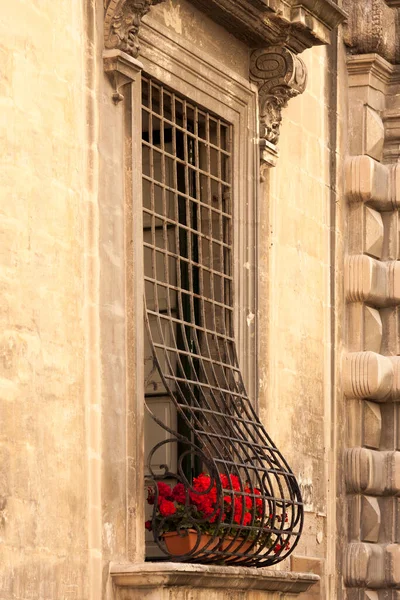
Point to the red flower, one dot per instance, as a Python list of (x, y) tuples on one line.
[(248, 502), (166, 507), (277, 548), (164, 490), (235, 482), (247, 518), (148, 525), (179, 493), (238, 511)]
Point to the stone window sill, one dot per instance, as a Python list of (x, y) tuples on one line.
[(135, 581)]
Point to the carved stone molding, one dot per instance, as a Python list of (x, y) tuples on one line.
[(259, 23), (120, 69), (279, 75), (122, 23), (372, 27)]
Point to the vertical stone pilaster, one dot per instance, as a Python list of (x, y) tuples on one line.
[(371, 368)]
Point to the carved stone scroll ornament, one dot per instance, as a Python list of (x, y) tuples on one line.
[(122, 23), (279, 75)]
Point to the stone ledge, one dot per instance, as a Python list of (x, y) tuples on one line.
[(168, 575), (260, 23)]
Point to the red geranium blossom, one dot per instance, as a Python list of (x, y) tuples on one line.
[(179, 493), (167, 508)]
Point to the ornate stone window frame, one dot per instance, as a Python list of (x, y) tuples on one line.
[(190, 72), (277, 30)]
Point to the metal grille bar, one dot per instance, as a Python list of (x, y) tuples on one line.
[(235, 499)]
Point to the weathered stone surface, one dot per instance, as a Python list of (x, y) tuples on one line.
[(373, 233), (279, 75), (370, 519), (122, 21), (301, 23), (374, 133), (132, 580), (371, 182), (367, 375), (371, 472), (371, 27), (372, 281), (372, 425)]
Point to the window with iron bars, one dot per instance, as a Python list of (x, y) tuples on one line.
[(219, 491)]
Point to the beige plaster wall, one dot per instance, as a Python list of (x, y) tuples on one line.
[(43, 538), (295, 314), (45, 486)]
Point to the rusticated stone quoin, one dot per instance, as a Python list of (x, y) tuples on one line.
[(279, 75), (369, 181), (372, 281), (122, 23), (372, 565), (372, 376), (372, 472)]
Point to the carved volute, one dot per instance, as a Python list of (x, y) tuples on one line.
[(280, 75)]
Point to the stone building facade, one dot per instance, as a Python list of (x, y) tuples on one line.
[(311, 90)]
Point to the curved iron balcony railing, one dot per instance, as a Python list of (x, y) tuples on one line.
[(230, 497)]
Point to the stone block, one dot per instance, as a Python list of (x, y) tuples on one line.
[(393, 565), (364, 565), (390, 248), (373, 241), (372, 329), (370, 519), (365, 471), (372, 425), (367, 180), (390, 320), (354, 517), (373, 134), (371, 472), (305, 564), (367, 375), (369, 280), (364, 29), (364, 328)]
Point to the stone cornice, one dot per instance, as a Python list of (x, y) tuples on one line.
[(299, 24), (122, 22), (175, 575)]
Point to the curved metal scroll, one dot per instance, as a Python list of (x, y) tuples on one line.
[(232, 492)]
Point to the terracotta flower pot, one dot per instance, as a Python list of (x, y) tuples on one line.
[(230, 544), (178, 545)]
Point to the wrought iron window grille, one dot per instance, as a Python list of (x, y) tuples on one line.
[(231, 497)]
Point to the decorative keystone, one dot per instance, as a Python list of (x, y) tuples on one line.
[(279, 75), (122, 23)]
